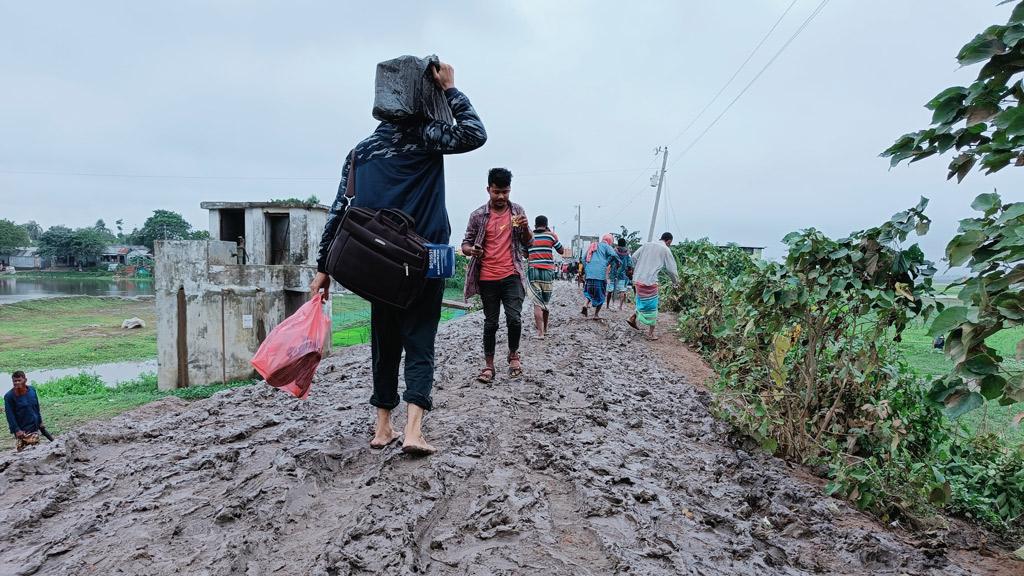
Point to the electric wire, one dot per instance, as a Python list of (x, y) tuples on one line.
[(801, 28), (735, 74)]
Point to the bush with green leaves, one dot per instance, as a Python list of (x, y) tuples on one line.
[(984, 122), (810, 367)]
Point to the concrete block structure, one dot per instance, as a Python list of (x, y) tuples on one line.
[(218, 299)]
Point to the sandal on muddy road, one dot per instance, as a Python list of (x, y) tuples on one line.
[(515, 367), (486, 376)]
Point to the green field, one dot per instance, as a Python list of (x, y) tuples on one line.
[(930, 363), (350, 317), (76, 331)]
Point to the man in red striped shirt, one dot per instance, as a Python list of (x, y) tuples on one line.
[(542, 272)]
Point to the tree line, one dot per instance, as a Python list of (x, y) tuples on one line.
[(64, 244)]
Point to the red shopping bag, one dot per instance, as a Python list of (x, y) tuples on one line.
[(288, 358)]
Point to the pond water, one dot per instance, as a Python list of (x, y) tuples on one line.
[(112, 374), (14, 289)]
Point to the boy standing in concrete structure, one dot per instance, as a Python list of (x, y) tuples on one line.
[(648, 262), (401, 165), (497, 238)]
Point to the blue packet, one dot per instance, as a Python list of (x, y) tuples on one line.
[(440, 261)]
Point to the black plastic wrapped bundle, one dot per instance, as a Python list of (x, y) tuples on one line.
[(405, 90)]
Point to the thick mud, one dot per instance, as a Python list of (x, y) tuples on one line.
[(601, 459)]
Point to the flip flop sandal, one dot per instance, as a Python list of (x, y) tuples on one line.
[(514, 371), (632, 323), (584, 311), (486, 376)]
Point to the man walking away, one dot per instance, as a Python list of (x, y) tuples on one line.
[(620, 282), (542, 272), (601, 263), (497, 237), (21, 406), (401, 165), (648, 261)]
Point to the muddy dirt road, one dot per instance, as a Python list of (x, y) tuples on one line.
[(600, 460)]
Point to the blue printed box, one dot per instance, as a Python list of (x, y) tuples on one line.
[(440, 261)]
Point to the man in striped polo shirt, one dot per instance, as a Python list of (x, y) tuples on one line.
[(542, 272)]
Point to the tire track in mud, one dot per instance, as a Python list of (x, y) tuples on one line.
[(599, 460)]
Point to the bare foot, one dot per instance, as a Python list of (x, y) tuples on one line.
[(417, 446), (384, 437)]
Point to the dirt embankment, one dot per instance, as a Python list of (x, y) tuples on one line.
[(600, 460)]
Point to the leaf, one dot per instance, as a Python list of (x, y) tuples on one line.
[(1011, 212), (1019, 553), (1017, 419), (992, 386), (981, 48), (981, 364), (962, 246), (960, 403), (960, 166), (949, 318), (1011, 121), (780, 346), (902, 290), (988, 203), (1013, 35)]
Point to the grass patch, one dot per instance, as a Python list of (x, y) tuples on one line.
[(350, 318), (76, 331), (930, 363), (71, 401)]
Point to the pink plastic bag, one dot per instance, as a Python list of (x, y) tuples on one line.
[(289, 356)]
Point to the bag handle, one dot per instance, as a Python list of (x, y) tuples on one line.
[(395, 220)]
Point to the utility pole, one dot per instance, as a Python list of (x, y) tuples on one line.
[(579, 225), (657, 197)]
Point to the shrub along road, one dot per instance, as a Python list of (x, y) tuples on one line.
[(600, 460)]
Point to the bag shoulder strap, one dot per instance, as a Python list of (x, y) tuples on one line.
[(350, 183)]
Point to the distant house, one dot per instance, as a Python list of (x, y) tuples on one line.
[(753, 251), (120, 253), (25, 258)]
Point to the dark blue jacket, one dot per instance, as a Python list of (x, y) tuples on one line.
[(402, 166), (22, 411)]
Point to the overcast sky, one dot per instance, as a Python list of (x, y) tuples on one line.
[(575, 96)]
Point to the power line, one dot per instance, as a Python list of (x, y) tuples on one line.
[(800, 29), (240, 177), (736, 73)]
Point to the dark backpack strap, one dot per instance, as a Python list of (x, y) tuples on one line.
[(350, 183)]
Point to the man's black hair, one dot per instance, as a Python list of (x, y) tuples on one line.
[(17, 374), (622, 242), (540, 222), (667, 236), (499, 177)]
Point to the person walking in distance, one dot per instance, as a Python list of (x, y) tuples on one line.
[(649, 261), (401, 165), (542, 272), (620, 280), (497, 237), (600, 264)]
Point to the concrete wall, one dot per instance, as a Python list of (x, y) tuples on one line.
[(228, 310)]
